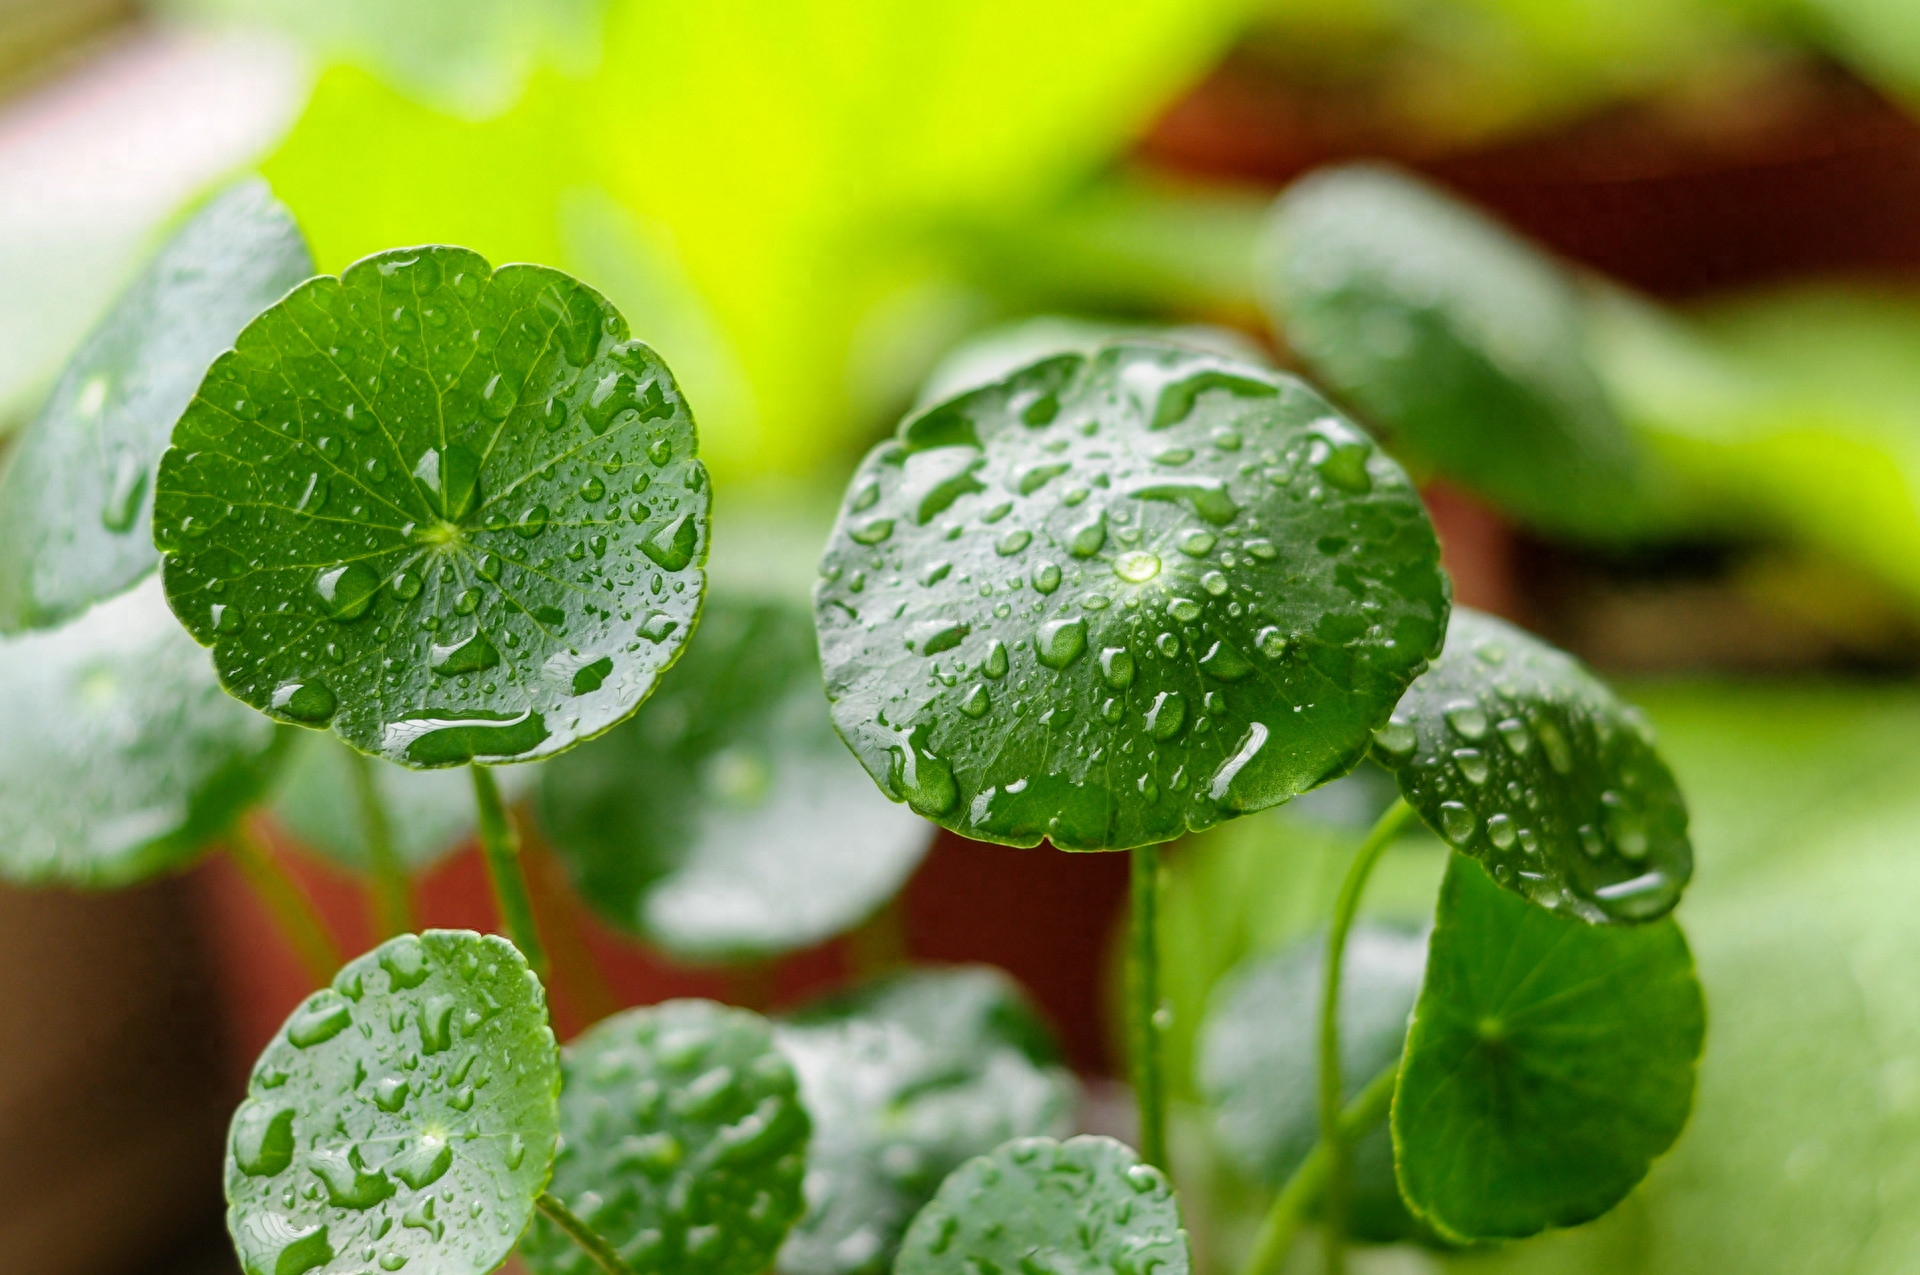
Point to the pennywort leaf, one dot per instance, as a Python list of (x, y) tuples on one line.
[(403, 1117), (1519, 756), (120, 756), (1109, 599), (76, 495), (1548, 1063), (684, 1144), (452, 512)]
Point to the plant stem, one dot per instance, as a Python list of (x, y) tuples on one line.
[(1289, 1208), (500, 841), (1143, 984), (392, 893), (580, 1233), (1338, 1153), (293, 912)]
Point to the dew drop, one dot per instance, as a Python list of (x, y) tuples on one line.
[(1167, 716), (1089, 537), (1457, 822), (1185, 610), (977, 702), (1214, 582), (1046, 577), (1467, 718), (1060, 642), (873, 532), (1013, 542), (1197, 544), (593, 490), (1500, 831), (532, 522), (1271, 641), (304, 701), (406, 586), (995, 665), (227, 619), (1116, 666), (1472, 763), (346, 590), (125, 491), (1514, 732)]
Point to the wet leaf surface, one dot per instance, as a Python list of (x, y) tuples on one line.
[(1549, 1062), (449, 511), (725, 820), (120, 756), (907, 1078), (684, 1144), (1517, 755), (1107, 600), (76, 496), (403, 1118)]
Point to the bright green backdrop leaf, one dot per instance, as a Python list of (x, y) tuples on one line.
[(77, 492), (726, 819), (1519, 756), (906, 1078), (450, 511), (1548, 1063), (683, 1144), (1106, 600), (404, 1116), (120, 756), (1085, 1204)]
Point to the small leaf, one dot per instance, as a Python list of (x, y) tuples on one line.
[(1520, 757), (684, 1144), (1460, 339), (383, 493), (74, 500), (726, 819), (1549, 1062), (1259, 1061), (1036, 1205), (906, 1078), (980, 677), (405, 1116), (120, 757)]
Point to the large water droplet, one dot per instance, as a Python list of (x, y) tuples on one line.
[(468, 655), (1396, 739), (1167, 716), (1500, 831), (126, 489), (346, 590), (325, 1015), (1116, 665), (1554, 744), (672, 545), (977, 702), (1060, 642), (1013, 542), (304, 701), (1046, 578), (1207, 497), (1089, 536), (263, 1139), (1468, 718), (1456, 822), (1224, 663), (532, 522), (450, 476), (924, 781), (1472, 763), (995, 665), (1230, 769), (350, 1184)]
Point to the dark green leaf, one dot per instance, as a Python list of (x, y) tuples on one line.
[(451, 511), (405, 1116), (74, 501), (1106, 600), (684, 1146), (1087, 1204), (1549, 1062), (907, 1078), (1462, 340), (1259, 1060), (726, 819), (1516, 754), (120, 756)]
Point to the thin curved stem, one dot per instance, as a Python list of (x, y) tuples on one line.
[(292, 910), (1338, 1152), (580, 1233), (500, 841), (392, 892), (1143, 985), (1289, 1208)]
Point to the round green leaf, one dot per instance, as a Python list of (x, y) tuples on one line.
[(1259, 1062), (120, 756), (906, 1079), (1548, 1063), (726, 819), (1462, 340), (684, 1145), (404, 1117), (1517, 755), (1109, 599), (430, 813), (997, 353), (74, 499), (1087, 1204), (451, 511)]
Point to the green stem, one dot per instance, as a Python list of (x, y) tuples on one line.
[(1334, 1210), (392, 893), (1143, 985), (293, 912), (580, 1233), (501, 843), (1289, 1208)]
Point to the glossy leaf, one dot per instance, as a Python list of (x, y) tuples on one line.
[(76, 496), (907, 1078), (1517, 755), (684, 1144), (1259, 1061), (1106, 600), (726, 819), (450, 511), (1036, 1204), (1548, 1063), (1459, 338), (999, 352), (120, 756), (404, 1116)]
